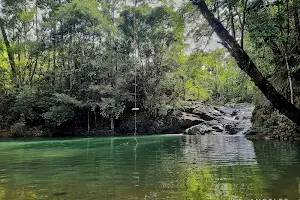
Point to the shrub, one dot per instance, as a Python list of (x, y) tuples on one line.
[(18, 129)]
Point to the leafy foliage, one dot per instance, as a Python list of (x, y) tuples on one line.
[(75, 63), (213, 77)]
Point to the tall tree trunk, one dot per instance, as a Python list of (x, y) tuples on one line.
[(247, 65), (232, 22), (289, 79), (286, 57), (288, 21), (95, 117), (19, 57), (112, 124), (9, 52), (243, 24), (218, 8), (88, 122), (37, 39), (296, 18), (54, 57), (34, 69)]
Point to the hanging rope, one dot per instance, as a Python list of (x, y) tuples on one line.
[(135, 50), (135, 109)]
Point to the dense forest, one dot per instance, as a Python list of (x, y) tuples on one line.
[(83, 65)]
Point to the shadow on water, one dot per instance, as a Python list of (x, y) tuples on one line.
[(157, 167)]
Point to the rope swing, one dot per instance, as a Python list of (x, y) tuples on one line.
[(135, 50), (135, 109)]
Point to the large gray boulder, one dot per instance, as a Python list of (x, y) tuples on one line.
[(200, 129), (203, 111), (200, 119), (187, 120)]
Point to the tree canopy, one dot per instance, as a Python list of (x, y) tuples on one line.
[(75, 62)]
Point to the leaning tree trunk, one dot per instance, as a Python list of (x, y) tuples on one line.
[(247, 65)]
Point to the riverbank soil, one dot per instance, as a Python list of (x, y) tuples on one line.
[(4, 133)]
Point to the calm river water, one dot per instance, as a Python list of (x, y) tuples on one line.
[(158, 167)]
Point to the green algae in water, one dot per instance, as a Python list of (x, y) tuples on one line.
[(158, 167)]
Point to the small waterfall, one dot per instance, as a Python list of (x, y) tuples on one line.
[(239, 115), (243, 117)]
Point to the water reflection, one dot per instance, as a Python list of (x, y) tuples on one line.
[(280, 168), (135, 174), (157, 167), (219, 150)]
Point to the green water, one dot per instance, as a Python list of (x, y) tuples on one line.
[(159, 167)]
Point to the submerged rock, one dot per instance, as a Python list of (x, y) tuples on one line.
[(232, 129), (59, 193)]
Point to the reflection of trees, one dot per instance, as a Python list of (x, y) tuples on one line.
[(227, 182), (279, 162), (225, 168), (219, 150), (85, 168), (168, 168), (2, 193)]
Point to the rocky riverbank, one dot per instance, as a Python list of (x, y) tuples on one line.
[(203, 118), (269, 124), (196, 118)]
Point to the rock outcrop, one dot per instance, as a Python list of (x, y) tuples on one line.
[(203, 119), (196, 118), (269, 124)]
